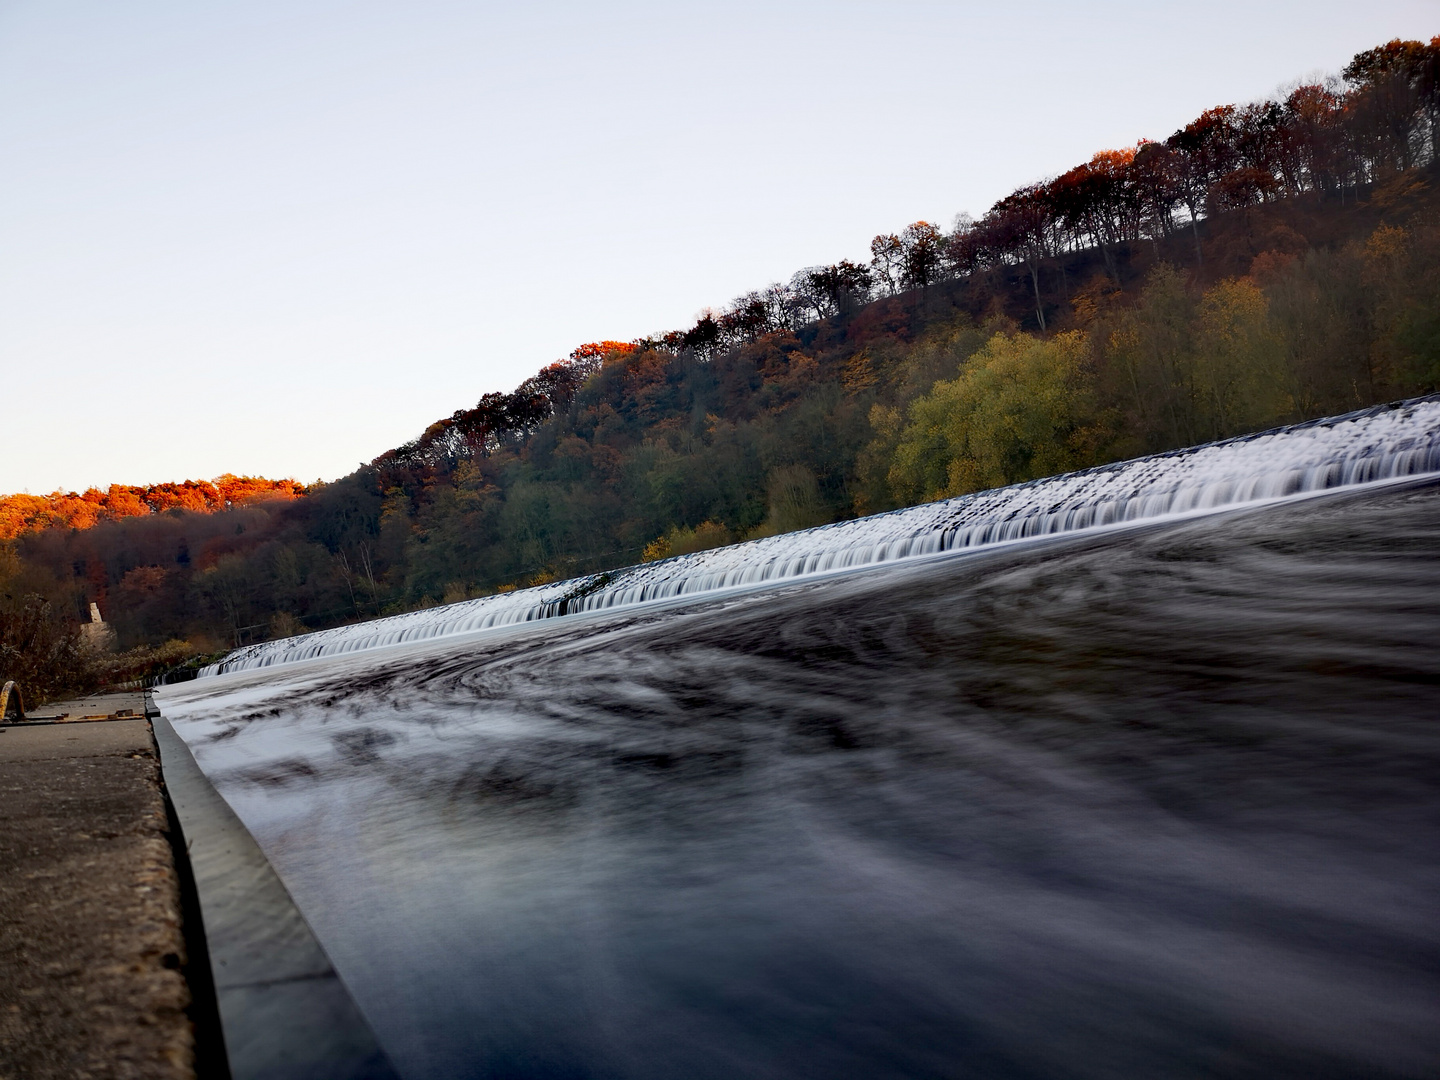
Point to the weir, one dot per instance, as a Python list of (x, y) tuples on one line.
[(1369, 446), (1153, 801)]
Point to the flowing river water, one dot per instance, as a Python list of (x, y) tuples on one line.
[(1162, 800), (1365, 447)]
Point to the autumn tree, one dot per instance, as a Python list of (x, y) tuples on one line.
[(963, 247), (1023, 407), (1021, 227), (887, 261), (1099, 200), (831, 290), (922, 259), (1313, 139), (1205, 150), (1395, 101)]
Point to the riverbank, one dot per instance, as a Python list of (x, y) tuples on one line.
[(92, 945)]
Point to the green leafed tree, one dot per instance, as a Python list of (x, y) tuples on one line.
[(1023, 407)]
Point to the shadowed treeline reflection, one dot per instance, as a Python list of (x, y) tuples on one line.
[(1159, 803)]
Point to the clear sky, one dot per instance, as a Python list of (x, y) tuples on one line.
[(282, 236)]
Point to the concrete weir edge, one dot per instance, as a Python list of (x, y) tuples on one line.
[(284, 1011)]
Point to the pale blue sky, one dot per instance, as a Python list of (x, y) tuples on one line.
[(281, 237)]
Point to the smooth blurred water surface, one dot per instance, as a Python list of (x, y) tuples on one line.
[(1155, 803)]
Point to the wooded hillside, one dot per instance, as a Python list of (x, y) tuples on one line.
[(1267, 263)]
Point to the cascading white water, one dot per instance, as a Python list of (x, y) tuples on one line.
[(1369, 446)]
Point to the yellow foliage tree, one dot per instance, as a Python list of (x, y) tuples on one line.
[(1023, 407), (1237, 358), (678, 541)]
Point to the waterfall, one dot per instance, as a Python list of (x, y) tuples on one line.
[(1373, 445)]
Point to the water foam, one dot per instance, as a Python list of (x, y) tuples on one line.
[(1370, 446)]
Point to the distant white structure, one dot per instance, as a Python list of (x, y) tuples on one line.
[(97, 635)]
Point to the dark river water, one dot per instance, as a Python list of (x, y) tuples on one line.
[(1156, 803)]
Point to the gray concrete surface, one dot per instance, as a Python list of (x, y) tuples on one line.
[(91, 944)]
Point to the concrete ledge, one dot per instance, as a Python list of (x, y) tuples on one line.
[(284, 1011), (93, 955)]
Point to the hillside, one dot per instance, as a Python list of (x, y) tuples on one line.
[(1268, 263)]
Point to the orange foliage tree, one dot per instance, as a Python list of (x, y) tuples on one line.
[(71, 510)]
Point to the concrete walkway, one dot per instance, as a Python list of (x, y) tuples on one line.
[(91, 946)]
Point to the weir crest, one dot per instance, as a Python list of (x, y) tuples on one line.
[(1373, 445)]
